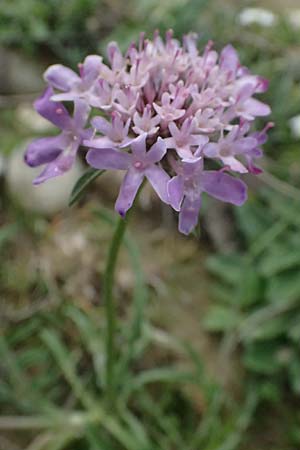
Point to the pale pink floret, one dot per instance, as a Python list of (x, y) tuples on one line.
[(229, 147), (184, 140), (168, 111), (146, 123), (115, 133)]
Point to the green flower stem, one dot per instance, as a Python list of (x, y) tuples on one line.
[(110, 307)]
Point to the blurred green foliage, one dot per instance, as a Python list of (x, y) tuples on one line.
[(259, 290), (56, 25), (53, 376), (70, 30)]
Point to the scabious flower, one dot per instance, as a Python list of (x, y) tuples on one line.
[(162, 111)]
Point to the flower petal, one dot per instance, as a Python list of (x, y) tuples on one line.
[(108, 158), (199, 139), (61, 164), (101, 124), (52, 111), (100, 142), (57, 167), (65, 96), (189, 214), (44, 150), (157, 151), (91, 68), (185, 153), (158, 179), (192, 167), (138, 146), (234, 164), (211, 150), (256, 108), (81, 114), (128, 190), (115, 56), (224, 187), (229, 59), (61, 77), (175, 192), (245, 145), (245, 92), (175, 133)]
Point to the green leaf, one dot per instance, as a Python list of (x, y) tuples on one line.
[(136, 427), (294, 375), (167, 375), (7, 232), (66, 362), (288, 211), (61, 439), (83, 182), (22, 388), (294, 329), (228, 267), (221, 318), (284, 288), (280, 260), (91, 336), (267, 238), (268, 329), (249, 288), (222, 292), (252, 220), (262, 358), (269, 391)]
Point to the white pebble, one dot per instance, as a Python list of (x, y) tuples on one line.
[(47, 198), (293, 17), (30, 119), (294, 124), (258, 16)]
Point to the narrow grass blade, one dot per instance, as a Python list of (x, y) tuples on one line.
[(83, 182), (91, 336), (68, 367)]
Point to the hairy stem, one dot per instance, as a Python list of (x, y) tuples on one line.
[(110, 307)]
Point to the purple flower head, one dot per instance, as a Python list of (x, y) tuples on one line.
[(158, 108), (57, 152)]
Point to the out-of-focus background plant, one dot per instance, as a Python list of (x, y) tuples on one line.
[(216, 365)]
